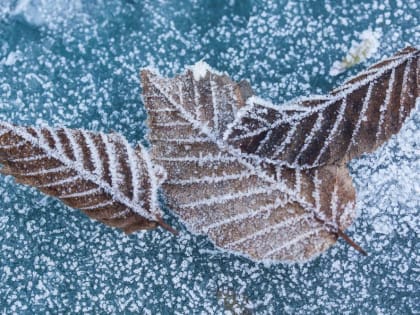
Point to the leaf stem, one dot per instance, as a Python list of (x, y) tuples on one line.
[(337, 231), (166, 226), (345, 237)]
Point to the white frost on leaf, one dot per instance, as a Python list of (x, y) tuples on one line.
[(336, 126), (359, 51), (216, 190), (200, 70), (120, 178)]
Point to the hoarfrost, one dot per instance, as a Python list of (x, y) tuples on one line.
[(286, 49), (200, 69)]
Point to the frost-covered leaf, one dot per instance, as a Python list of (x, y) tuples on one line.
[(355, 118), (100, 174), (257, 209)]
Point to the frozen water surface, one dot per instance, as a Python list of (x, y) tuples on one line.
[(77, 64)]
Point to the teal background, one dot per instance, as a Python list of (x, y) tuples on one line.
[(77, 65)]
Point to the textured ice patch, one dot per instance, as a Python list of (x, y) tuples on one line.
[(44, 12), (383, 225)]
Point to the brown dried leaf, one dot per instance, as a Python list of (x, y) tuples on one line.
[(261, 210), (353, 119), (97, 173)]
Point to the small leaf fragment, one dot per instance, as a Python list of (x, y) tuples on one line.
[(359, 52)]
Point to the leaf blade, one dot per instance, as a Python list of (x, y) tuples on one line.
[(337, 127), (97, 173), (218, 191)]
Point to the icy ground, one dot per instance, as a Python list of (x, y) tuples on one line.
[(78, 65)]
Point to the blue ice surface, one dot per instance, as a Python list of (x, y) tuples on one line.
[(76, 63)]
